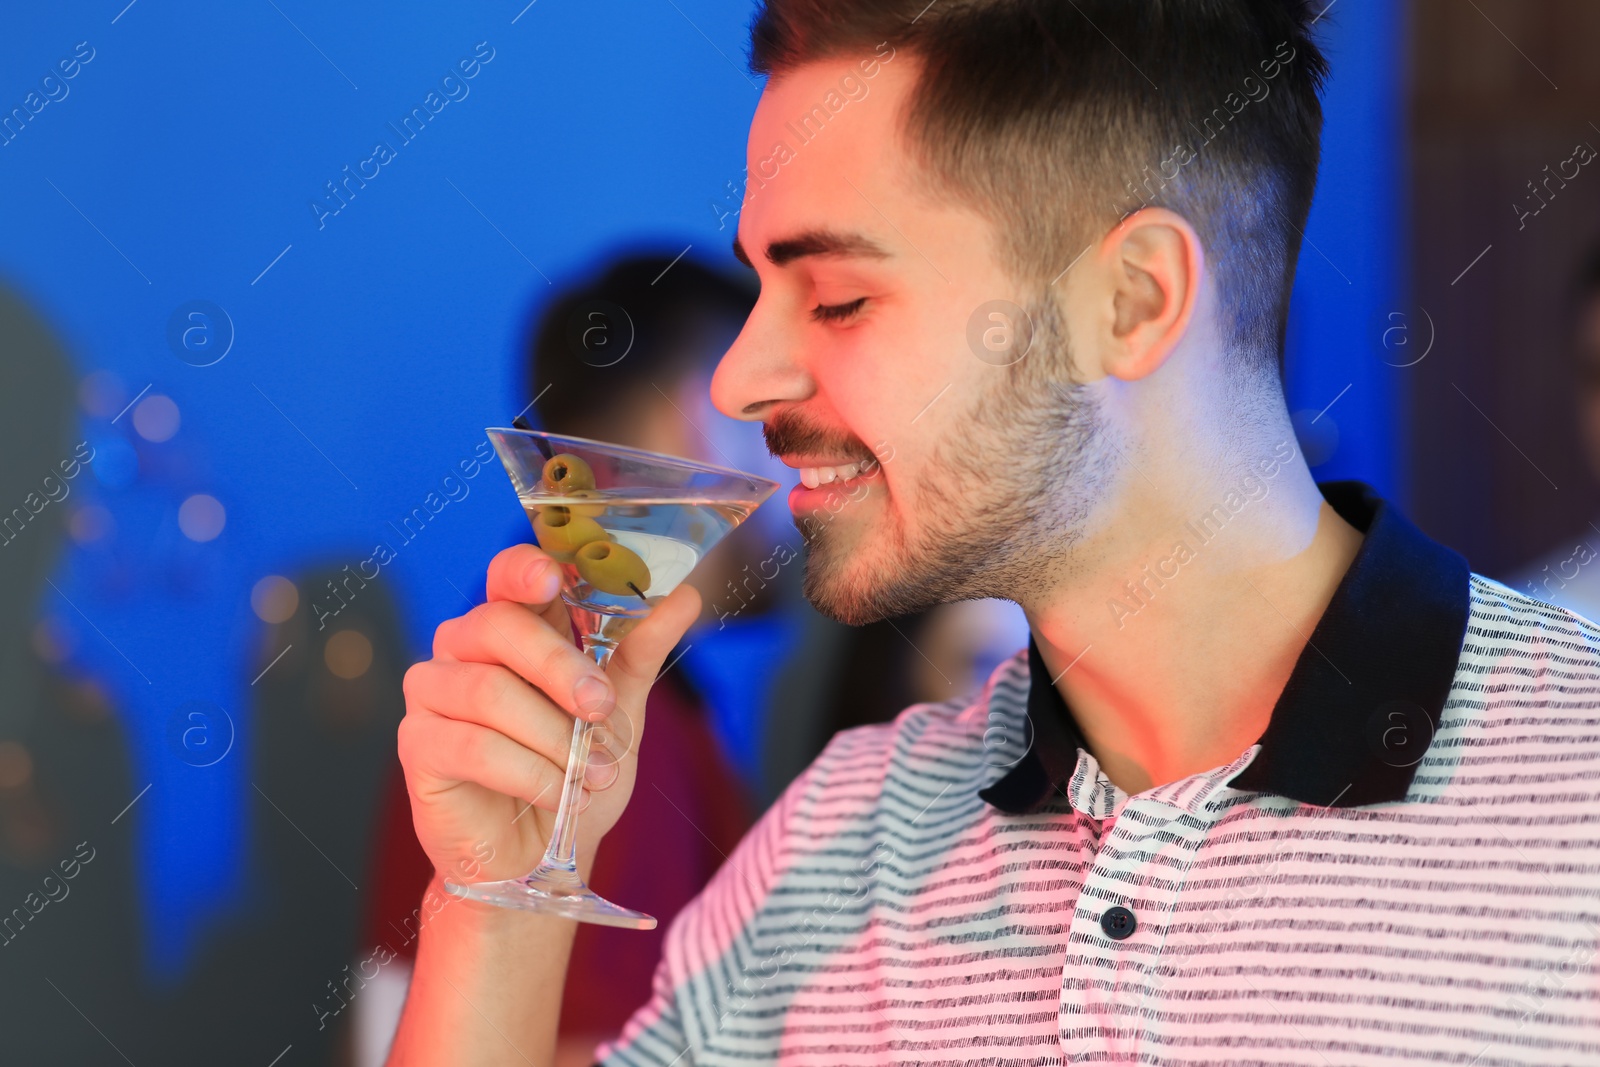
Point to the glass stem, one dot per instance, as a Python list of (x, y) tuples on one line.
[(562, 853)]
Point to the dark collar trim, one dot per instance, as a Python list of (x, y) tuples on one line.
[(1052, 739), (1363, 700)]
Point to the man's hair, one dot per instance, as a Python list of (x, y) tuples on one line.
[(672, 313), (1055, 119)]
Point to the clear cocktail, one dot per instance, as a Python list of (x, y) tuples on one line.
[(627, 527)]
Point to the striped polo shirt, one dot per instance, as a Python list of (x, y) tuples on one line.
[(1405, 868)]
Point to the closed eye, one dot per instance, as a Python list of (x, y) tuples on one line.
[(836, 312)]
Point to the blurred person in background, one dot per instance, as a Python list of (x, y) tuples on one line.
[(325, 704), (76, 983), (67, 916), (1567, 575)]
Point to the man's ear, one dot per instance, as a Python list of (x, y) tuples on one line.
[(1150, 270)]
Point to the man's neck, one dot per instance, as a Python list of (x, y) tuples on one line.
[(1173, 659)]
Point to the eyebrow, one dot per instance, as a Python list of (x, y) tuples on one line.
[(815, 243)]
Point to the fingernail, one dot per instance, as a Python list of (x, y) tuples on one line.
[(599, 775), (593, 696), (536, 572)]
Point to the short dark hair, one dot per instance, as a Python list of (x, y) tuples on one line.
[(673, 310), (1047, 118)]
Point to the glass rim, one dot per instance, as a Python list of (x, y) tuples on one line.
[(641, 453)]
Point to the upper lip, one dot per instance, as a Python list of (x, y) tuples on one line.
[(800, 462)]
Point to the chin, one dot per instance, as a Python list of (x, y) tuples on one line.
[(861, 582), (842, 601), (839, 581)]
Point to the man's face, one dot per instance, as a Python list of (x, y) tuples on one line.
[(975, 473)]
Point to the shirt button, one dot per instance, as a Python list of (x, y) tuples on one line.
[(1118, 923)]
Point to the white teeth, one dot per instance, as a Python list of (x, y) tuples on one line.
[(811, 477)]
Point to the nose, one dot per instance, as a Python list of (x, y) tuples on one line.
[(763, 369)]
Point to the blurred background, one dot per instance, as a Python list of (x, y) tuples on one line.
[(271, 269)]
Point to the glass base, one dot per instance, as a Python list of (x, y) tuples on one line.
[(554, 891)]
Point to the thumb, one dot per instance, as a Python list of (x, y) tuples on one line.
[(637, 661)]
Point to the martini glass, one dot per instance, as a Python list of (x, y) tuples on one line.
[(626, 527)]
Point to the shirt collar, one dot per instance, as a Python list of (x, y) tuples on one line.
[(1363, 700)]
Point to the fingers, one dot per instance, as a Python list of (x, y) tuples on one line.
[(524, 574), (493, 697), (503, 632), (439, 752), (638, 658)]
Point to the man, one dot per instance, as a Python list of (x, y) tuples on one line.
[(1278, 780), (1564, 575)]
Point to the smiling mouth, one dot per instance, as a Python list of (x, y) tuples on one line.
[(812, 477)]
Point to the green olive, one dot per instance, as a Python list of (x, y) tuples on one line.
[(611, 568), (561, 533), (565, 472), (565, 511), (589, 510)]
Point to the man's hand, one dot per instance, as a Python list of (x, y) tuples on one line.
[(488, 722)]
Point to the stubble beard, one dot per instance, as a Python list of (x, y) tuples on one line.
[(996, 512)]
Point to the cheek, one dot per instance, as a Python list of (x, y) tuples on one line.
[(892, 387), (856, 396)]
